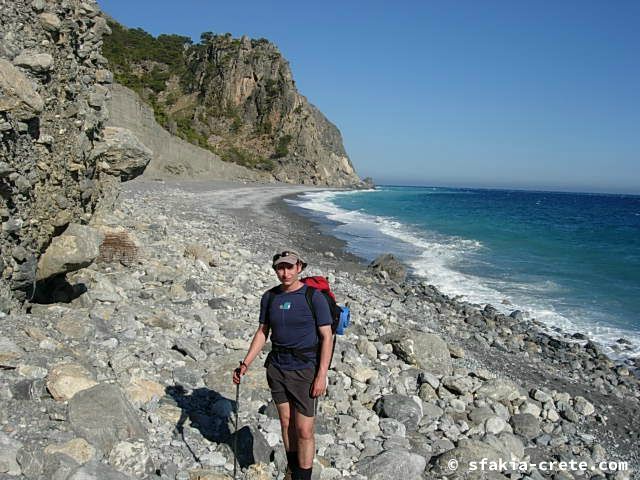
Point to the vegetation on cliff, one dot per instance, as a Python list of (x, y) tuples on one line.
[(162, 70), (234, 97)]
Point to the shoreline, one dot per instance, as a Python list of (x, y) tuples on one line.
[(513, 367), (167, 329), (619, 350)]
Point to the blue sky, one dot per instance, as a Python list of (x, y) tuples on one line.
[(528, 94)]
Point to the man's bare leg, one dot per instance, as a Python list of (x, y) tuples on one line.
[(306, 441), (286, 413)]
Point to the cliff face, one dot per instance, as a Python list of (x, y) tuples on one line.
[(171, 155), (236, 98), (53, 166), (250, 80)]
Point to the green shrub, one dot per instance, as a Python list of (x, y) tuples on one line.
[(264, 127), (282, 147)]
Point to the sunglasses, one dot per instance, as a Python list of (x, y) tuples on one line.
[(285, 254)]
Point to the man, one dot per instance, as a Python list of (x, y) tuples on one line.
[(299, 360)]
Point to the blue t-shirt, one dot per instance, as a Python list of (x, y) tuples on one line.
[(292, 325)]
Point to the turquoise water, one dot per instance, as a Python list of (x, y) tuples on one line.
[(571, 260)]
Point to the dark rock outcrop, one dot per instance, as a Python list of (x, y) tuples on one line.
[(387, 266), (53, 166)]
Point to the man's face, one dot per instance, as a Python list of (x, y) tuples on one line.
[(288, 273)]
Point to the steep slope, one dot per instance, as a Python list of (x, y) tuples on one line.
[(172, 156), (235, 97)]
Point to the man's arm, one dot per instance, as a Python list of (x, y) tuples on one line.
[(319, 386), (258, 341)]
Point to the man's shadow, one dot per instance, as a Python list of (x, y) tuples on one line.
[(211, 414)]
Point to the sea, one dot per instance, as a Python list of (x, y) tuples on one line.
[(569, 260)]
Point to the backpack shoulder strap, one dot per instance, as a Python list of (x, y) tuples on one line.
[(308, 294), (271, 293)]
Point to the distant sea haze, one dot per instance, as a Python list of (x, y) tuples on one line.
[(570, 260)]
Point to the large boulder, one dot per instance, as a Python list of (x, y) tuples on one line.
[(121, 154), (500, 390), (77, 448), (401, 408), (19, 95), (132, 458), (10, 353), (97, 471), (103, 416), (525, 425), (391, 465), (76, 248), (65, 380), (458, 461), (425, 350), (36, 62), (9, 448), (387, 266), (252, 446)]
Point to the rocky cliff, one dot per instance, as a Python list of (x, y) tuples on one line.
[(56, 159), (236, 98)]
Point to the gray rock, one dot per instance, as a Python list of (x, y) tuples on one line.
[(103, 416), (38, 5), (49, 21), (31, 462), (192, 285), (392, 428), (76, 248), (540, 395), (460, 457), (19, 95), (567, 412), (58, 466), (131, 458), (121, 154), (480, 414), (190, 348), (394, 269), (401, 408), (8, 451), (583, 406), (36, 62), (391, 465), (97, 471), (104, 76), (499, 390), (517, 315), (512, 445), (10, 353), (495, 425), (426, 350), (252, 446), (525, 425), (458, 385)]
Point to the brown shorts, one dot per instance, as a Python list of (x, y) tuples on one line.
[(293, 386)]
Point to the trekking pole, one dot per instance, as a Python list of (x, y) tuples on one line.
[(235, 433)]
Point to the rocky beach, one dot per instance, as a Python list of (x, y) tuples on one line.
[(126, 372)]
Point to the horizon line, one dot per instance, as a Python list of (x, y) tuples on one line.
[(513, 189)]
